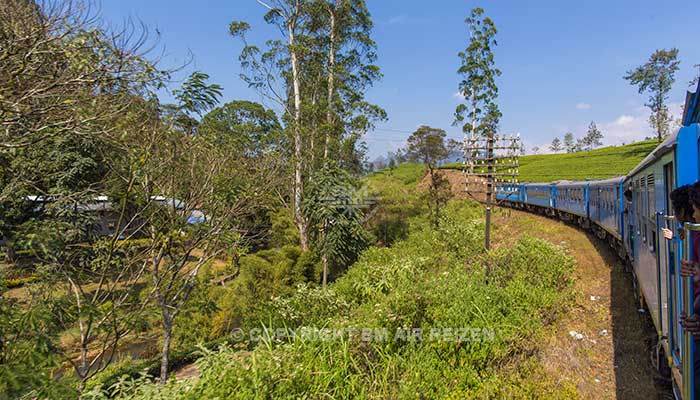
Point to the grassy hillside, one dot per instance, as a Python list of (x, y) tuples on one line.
[(407, 174), (602, 163)]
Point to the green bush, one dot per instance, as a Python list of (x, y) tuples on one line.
[(18, 282), (436, 278)]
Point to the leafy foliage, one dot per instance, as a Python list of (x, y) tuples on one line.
[(478, 71), (333, 210)]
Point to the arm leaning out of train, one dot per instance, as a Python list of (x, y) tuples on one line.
[(668, 234), (691, 324)]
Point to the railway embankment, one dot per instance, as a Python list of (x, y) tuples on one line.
[(602, 343)]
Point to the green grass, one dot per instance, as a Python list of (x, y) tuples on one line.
[(603, 163), (407, 174)]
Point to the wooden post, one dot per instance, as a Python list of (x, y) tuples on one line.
[(489, 190)]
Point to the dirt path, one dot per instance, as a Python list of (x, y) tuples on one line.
[(612, 358)]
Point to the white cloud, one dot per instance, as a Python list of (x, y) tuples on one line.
[(634, 125), (583, 106), (458, 96), (624, 120), (625, 128)]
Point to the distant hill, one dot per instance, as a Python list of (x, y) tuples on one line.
[(606, 162)]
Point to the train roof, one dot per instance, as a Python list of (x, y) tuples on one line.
[(691, 114), (666, 146), (615, 180), (538, 183), (572, 183)]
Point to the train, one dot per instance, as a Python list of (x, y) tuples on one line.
[(629, 212)]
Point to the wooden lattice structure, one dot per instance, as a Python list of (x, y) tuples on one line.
[(491, 166)]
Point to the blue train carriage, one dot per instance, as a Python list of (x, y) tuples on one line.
[(571, 201), (508, 192), (655, 261), (687, 159), (538, 196), (606, 209)]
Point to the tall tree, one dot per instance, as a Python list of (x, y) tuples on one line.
[(556, 145), (345, 30), (656, 77), (478, 72), (318, 74), (277, 74), (569, 142)]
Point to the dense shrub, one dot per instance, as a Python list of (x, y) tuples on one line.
[(436, 278)]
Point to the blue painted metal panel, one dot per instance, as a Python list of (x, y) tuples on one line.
[(538, 194), (572, 198), (687, 155)]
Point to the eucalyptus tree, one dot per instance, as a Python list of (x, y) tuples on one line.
[(276, 73), (317, 71), (344, 29), (656, 77), (478, 86)]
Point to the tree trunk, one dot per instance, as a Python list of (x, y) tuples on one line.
[(10, 252), (324, 259), (298, 182), (473, 114), (165, 355)]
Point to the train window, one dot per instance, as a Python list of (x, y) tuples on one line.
[(606, 200), (644, 209), (637, 206), (651, 213), (651, 201)]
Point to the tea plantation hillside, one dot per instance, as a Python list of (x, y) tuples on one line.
[(603, 163)]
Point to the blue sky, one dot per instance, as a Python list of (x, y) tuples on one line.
[(562, 61)]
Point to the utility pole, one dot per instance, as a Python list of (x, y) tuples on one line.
[(491, 167)]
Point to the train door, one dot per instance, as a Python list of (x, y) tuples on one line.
[(669, 262), (616, 209)]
